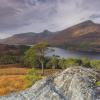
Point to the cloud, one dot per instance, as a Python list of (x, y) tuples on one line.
[(36, 15)]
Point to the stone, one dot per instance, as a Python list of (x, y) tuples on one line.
[(75, 83)]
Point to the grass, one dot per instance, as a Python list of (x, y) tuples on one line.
[(98, 83), (12, 78), (11, 83), (13, 71), (10, 66)]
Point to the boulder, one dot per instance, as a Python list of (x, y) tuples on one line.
[(75, 83)]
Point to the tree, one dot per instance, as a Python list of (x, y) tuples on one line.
[(62, 63), (36, 55), (53, 62)]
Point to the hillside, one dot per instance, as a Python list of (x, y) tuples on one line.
[(84, 37), (76, 83), (12, 49), (27, 38)]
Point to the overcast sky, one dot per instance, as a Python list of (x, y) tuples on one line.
[(18, 16)]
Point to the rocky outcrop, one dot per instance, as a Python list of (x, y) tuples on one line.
[(76, 83)]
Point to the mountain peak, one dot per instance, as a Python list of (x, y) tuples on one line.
[(46, 31), (88, 22), (85, 23)]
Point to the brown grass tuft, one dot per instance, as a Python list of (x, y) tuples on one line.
[(11, 83)]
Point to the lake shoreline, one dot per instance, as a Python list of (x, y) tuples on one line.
[(87, 51), (66, 53), (95, 50)]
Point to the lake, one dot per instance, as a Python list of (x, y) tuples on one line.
[(74, 54)]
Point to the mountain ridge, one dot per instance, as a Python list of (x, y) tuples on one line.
[(86, 33), (26, 38), (83, 36)]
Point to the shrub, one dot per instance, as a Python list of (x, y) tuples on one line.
[(62, 63), (98, 83), (95, 64), (71, 62), (65, 63), (31, 77), (48, 65), (85, 62)]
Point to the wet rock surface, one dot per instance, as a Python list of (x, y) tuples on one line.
[(76, 83)]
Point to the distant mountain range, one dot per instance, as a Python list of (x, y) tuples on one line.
[(27, 38), (84, 37)]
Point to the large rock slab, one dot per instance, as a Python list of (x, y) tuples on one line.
[(75, 83)]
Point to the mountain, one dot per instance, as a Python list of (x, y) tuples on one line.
[(84, 37), (76, 83), (27, 38)]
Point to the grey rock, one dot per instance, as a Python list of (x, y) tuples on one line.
[(75, 83)]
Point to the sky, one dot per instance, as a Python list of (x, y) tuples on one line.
[(19, 16)]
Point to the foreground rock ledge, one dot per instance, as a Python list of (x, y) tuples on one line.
[(76, 83)]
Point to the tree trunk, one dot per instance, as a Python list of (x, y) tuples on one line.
[(42, 68), (53, 67)]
